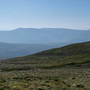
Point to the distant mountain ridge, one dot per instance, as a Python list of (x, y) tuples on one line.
[(25, 41), (44, 35)]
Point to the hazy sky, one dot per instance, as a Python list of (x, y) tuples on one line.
[(44, 13)]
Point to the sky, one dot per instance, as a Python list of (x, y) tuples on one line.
[(73, 14)]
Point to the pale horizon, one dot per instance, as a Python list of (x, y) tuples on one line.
[(44, 13)]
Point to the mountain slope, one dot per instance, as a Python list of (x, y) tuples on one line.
[(66, 68), (67, 55)]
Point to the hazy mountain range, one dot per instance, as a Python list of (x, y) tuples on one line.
[(24, 41), (44, 35)]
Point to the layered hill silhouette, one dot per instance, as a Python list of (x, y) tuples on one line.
[(25, 41), (10, 50)]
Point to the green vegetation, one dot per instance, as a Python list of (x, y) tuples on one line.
[(66, 68)]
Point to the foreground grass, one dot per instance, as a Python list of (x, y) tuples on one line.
[(58, 79)]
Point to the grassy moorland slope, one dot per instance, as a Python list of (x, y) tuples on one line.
[(66, 68)]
